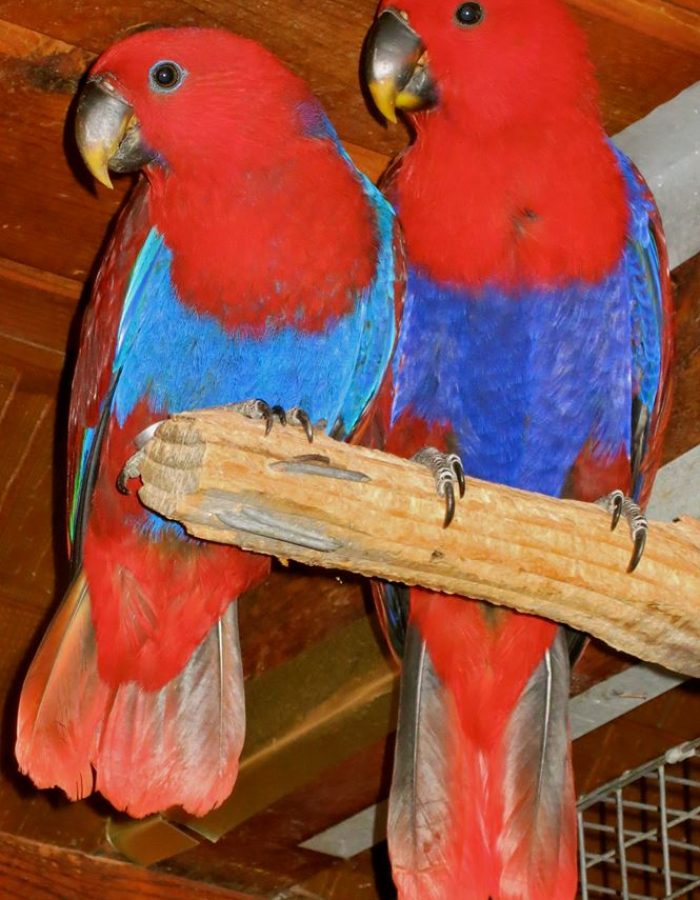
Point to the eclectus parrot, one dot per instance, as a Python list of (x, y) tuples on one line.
[(252, 261), (536, 344)]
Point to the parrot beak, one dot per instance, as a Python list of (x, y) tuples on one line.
[(395, 66), (107, 132)]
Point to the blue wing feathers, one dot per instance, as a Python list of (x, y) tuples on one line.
[(644, 274)]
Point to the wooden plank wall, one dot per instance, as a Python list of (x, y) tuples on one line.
[(52, 223)]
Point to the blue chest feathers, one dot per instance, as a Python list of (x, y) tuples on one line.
[(179, 359), (522, 380)]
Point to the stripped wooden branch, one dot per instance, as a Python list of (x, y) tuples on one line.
[(337, 506)]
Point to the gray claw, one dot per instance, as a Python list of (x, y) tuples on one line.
[(259, 409), (449, 505), (459, 472), (616, 499), (278, 412), (131, 469), (447, 469), (623, 507), (298, 416), (639, 545)]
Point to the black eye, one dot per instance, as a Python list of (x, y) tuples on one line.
[(166, 76), (469, 13)]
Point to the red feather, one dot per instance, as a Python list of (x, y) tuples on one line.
[(137, 688), (510, 182), (218, 269), (93, 366)]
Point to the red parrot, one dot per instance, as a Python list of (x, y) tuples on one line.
[(536, 344), (230, 276)]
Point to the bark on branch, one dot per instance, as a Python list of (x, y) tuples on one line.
[(333, 505)]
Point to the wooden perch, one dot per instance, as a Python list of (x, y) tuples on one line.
[(329, 504)]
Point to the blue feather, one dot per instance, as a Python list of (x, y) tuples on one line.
[(332, 374), (523, 379), (178, 359)]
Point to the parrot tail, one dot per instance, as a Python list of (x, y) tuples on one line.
[(143, 750), (482, 800)]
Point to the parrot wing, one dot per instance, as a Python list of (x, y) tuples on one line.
[(652, 341), (94, 379), (648, 280), (141, 685)]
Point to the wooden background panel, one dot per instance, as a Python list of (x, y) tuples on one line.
[(27, 549), (684, 428), (294, 609), (321, 41), (263, 853), (52, 222), (33, 870), (49, 219), (636, 71), (637, 737)]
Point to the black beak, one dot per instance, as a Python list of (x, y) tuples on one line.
[(107, 132)]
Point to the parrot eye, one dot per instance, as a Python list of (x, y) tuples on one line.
[(166, 76), (468, 14)]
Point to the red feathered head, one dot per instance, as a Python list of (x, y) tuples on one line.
[(187, 97), (491, 60)]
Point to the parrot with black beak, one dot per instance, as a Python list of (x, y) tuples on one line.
[(536, 343)]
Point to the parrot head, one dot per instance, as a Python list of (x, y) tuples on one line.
[(491, 59), (174, 97)]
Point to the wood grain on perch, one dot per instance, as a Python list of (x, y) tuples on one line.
[(329, 504)]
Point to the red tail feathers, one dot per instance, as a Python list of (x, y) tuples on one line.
[(144, 750), (482, 799)]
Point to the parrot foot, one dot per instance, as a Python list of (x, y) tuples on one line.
[(132, 469), (448, 471), (259, 409), (620, 506)]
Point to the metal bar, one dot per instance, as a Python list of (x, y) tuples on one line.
[(664, 830), (637, 839), (683, 876), (610, 892), (683, 817), (583, 875), (621, 848), (645, 835), (676, 754), (658, 821), (633, 804), (639, 867), (672, 779), (684, 890)]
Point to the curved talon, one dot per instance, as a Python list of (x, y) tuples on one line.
[(256, 409), (640, 541), (299, 417), (459, 472), (447, 470), (122, 485), (259, 409), (617, 499), (449, 505), (623, 507), (131, 469), (278, 411)]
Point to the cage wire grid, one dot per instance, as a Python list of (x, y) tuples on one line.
[(639, 835)]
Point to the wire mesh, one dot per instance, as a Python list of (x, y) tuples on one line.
[(639, 835)]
